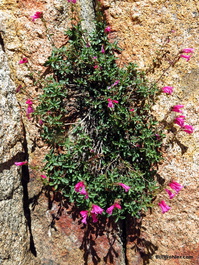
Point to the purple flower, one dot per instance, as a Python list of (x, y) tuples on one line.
[(21, 163), (112, 207), (188, 50), (177, 108), (84, 215), (175, 186), (187, 57), (171, 195), (24, 60), (167, 89), (188, 129), (164, 207), (110, 102), (37, 15), (124, 186), (96, 209), (180, 120)]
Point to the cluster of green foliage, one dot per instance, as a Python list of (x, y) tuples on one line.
[(90, 141)]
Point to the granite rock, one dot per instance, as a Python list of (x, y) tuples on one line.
[(151, 33)]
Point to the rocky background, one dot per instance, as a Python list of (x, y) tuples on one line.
[(35, 227)]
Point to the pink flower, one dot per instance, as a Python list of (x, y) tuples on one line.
[(110, 102), (84, 192), (21, 163), (18, 88), (24, 60), (177, 108), (114, 84), (131, 110), (37, 15), (188, 129), (29, 109), (107, 29), (167, 89), (96, 209), (175, 186), (157, 136), (102, 49), (171, 195), (180, 120), (164, 207), (84, 215), (29, 102), (43, 176), (187, 57), (95, 66), (117, 205), (80, 187), (40, 122), (188, 50), (72, 1), (124, 187), (94, 217), (112, 207)]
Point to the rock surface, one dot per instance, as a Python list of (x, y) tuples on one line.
[(15, 232), (33, 223), (152, 33)]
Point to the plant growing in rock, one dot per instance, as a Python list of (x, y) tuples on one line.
[(96, 119)]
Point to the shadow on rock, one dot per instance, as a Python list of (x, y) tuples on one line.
[(139, 249)]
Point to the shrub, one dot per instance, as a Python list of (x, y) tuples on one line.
[(97, 121)]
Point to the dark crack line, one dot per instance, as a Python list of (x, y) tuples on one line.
[(124, 239), (2, 41), (25, 180)]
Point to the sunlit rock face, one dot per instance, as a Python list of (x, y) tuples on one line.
[(151, 33), (15, 232)]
